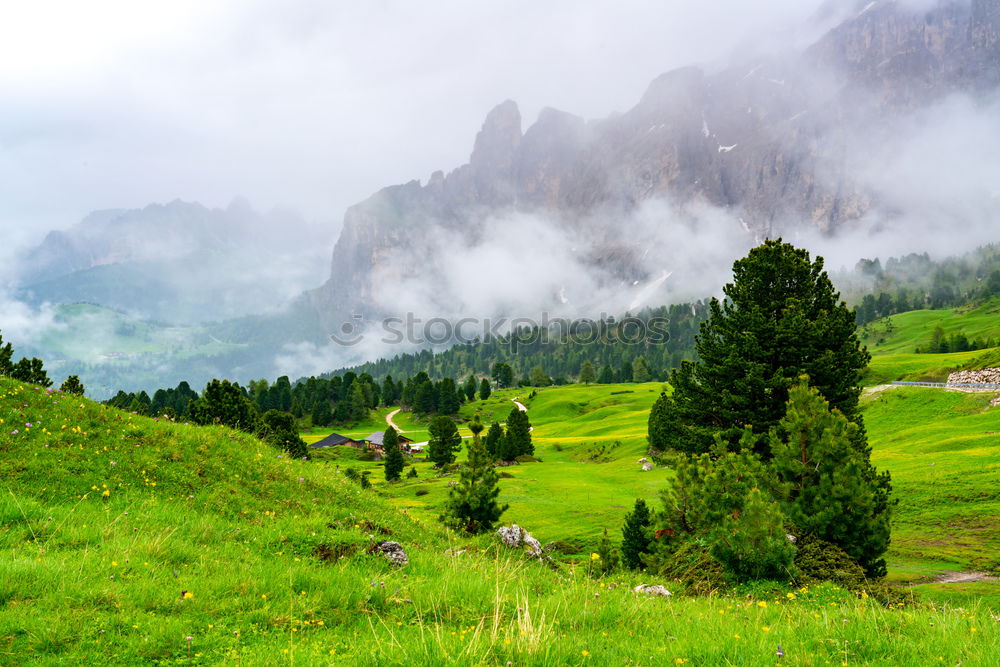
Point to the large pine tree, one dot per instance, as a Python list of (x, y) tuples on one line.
[(781, 318)]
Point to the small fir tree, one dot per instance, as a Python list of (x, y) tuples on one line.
[(831, 491), (608, 553), (587, 373), (637, 536), (394, 463), (494, 436), (472, 505), (607, 375), (470, 388), (640, 370), (519, 432), (485, 389), (444, 441), (72, 385)]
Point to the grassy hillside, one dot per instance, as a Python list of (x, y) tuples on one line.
[(127, 540), (590, 440), (892, 342)]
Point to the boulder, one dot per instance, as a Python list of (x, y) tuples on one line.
[(514, 536), (393, 551), (647, 466), (654, 590)]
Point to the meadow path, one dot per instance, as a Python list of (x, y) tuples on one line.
[(388, 420)]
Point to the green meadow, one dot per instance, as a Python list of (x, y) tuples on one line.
[(128, 540)]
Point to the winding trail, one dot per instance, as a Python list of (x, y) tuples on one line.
[(522, 408), (388, 420)]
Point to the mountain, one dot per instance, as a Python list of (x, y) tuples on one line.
[(763, 146), (179, 262)]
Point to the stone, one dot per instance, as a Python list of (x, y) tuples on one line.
[(647, 466), (393, 551), (655, 590), (514, 536)]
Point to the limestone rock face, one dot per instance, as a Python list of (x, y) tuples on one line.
[(763, 140)]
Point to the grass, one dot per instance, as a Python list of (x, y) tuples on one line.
[(943, 449), (108, 521), (892, 342)]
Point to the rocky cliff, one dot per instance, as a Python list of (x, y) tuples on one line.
[(763, 140)]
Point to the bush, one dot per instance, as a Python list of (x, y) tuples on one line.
[(692, 567), (818, 560), (421, 492), (527, 458), (752, 544)]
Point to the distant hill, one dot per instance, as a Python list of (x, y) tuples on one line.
[(178, 262)]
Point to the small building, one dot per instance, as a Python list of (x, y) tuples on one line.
[(335, 439), (376, 444)]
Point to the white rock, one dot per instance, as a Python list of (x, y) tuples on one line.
[(655, 590)]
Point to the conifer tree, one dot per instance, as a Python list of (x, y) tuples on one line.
[(6, 352), (472, 505), (587, 373), (640, 370), (637, 535), (493, 439), (470, 388), (484, 389), (394, 463), (608, 554), (72, 385), (519, 432), (831, 490), (752, 544), (278, 429), (607, 375), (447, 402), (781, 318), (444, 441)]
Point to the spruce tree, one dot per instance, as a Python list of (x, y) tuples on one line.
[(519, 432), (394, 463), (586, 373), (484, 389), (607, 375), (493, 439), (447, 401), (472, 505), (72, 385), (444, 441), (640, 370), (637, 535), (470, 388), (831, 490), (781, 318)]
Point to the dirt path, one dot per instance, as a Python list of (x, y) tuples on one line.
[(522, 408), (963, 577), (388, 420)]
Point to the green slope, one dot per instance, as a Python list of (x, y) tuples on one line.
[(106, 523)]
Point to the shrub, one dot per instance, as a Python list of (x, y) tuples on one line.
[(818, 560), (421, 492)]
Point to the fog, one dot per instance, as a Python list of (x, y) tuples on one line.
[(310, 107)]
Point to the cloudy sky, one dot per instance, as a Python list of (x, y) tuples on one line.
[(311, 104)]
